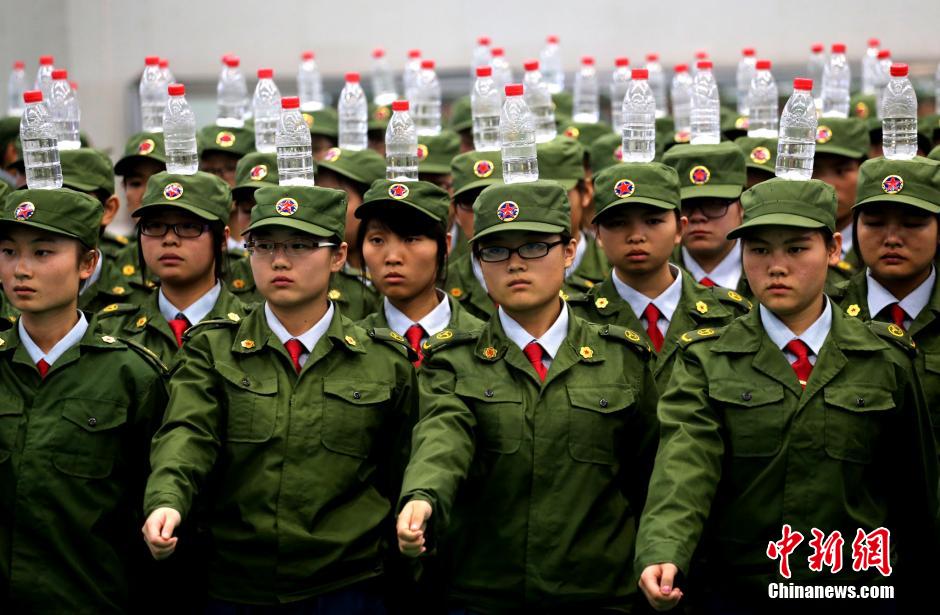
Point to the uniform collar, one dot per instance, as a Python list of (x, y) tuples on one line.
[(727, 273), (73, 337), (846, 240), (95, 275), (666, 302), (550, 341), (309, 338), (196, 312), (880, 297), (579, 251), (814, 336), (433, 322), (234, 245)]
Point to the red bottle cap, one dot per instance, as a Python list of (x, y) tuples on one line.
[(899, 69), (514, 89), (747, 52), (152, 60), (704, 64), (307, 55), (652, 57), (19, 65), (484, 71), (552, 38), (530, 65), (621, 61), (701, 54), (838, 48), (265, 73), (817, 48), (414, 53), (400, 105), (802, 83), (46, 60), (32, 96), (164, 63), (873, 42), (884, 54), (498, 51), (290, 102), (681, 68), (640, 73), (352, 77), (231, 61), (763, 65), (587, 60), (427, 64), (484, 40), (60, 73), (176, 89), (378, 52)]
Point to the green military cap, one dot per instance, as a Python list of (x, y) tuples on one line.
[(311, 209), (561, 160), (760, 153), (436, 152), (461, 116), (914, 182), (422, 196), (666, 135), (733, 125), (604, 152), (476, 170), (865, 108), (323, 121), (87, 170), (708, 170), (237, 141), (782, 202), (564, 104), (363, 166), (841, 136), (585, 133), (62, 211), (540, 207), (5, 189), (934, 153), (202, 194), (643, 183), (9, 130), (378, 117), (143, 145), (254, 171)]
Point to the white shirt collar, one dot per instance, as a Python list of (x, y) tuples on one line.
[(814, 336), (579, 251), (195, 312), (550, 341), (478, 271), (666, 302), (71, 338), (308, 339), (913, 304), (433, 322), (846, 239), (727, 273), (234, 244), (95, 275)]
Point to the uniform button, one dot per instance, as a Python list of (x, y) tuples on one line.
[(488, 392), (860, 402), (603, 403), (92, 422), (357, 395), (746, 396), (245, 382)]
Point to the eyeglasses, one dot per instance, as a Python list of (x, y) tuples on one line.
[(528, 251), (184, 230), (293, 247), (710, 209)]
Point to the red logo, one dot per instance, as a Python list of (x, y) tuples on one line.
[(422, 151), (398, 191), (173, 191), (258, 172), (892, 184), (700, 175), (483, 168), (146, 147), (823, 134), (760, 155), (286, 206), (624, 188), (333, 154), (507, 211), (24, 211), (225, 139)]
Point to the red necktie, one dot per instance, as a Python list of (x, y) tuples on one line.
[(294, 349), (897, 314), (533, 351), (651, 314), (414, 335), (178, 325), (707, 281), (801, 366), (43, 368)]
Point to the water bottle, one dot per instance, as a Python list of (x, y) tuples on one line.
[(153, 95), (550, 60), (539, 101), (231, 94), (481, 55), (40, 150), (657, 81), (294, 153), (309, 83), (619, 82), (44, 76), (179, 133), (639, 119), (485, 106), (870, 67), (383, 82), (797, 136), (705, 112), (353, 115), (66, 115), (763, 103), (427, 103), (266, 109), (681, 94), (899, 121), (746, 69), (882, 75), (410, 76), (517, 138), (586, 107), (16, 86), (815, 69), (401, 145), (502, 72), (167, 73), (837, 77)]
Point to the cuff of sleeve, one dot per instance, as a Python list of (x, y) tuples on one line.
[(665, 552), (165, 500)]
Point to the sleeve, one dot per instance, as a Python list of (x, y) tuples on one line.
[(646, 431)]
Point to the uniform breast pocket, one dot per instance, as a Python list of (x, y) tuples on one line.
[(11, 417), (252, 404), (499, 414), (89, 436), (353, 414), (853, 420), (754, 415), (596, 420)]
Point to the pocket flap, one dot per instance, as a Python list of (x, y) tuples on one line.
[(746, 394), (241, 380), (932, 362), (94, 415), (859, 398), (358, 393), (604, 399), (493, 392), (11, 405)]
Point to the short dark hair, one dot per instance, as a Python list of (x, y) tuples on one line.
[(404, 222)]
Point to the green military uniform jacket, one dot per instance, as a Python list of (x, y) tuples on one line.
[(745, 450), (699, 307), (535, 486), (462, 285), (112, 244), (117, 284), (299, 470), (460, 243), (460, 319), (592, 269), (73, 463)]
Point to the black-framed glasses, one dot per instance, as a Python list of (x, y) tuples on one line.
[(291, 247), (710, 209), (185, 230), (528, 251)]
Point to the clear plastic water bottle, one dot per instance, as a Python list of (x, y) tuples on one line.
[(427, 101), (481, 55), (167, 73), (681, 94), (746, 69), (550, 60), (502, 72), (870, 67), (309, 83), (815, 68), (657, 81), (882, 75), (619, 82), (899, 121), (700, 56), (797, 139), (231, 94), (44, 76), (485, 107), (66, 114), (16, 86), (706, 107), (353, 115), (401, 145), (294, 153), (539, 101), (587, 106), (266, 108), (40, 148), (837, 77), (763, 103), (179, 132), (639, 119), (383, 81), (517, 138), (410, 76), (153, 95)]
